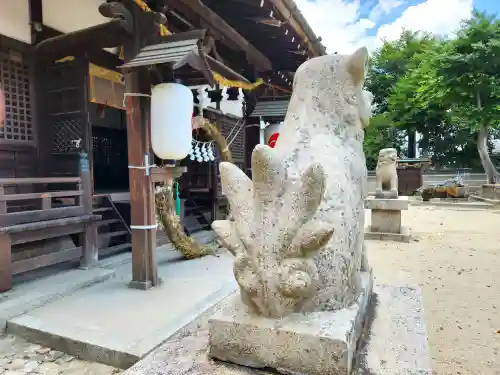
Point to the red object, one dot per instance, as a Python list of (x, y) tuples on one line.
[(273, 139)]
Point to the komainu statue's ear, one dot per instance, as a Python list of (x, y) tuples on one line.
[(357, 65)]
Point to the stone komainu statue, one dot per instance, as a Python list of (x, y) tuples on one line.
[(298, 229), (387, 176)]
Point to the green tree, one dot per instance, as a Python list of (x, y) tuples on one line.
[(389, 64), (378, 135), (470, 81), (416, 102)]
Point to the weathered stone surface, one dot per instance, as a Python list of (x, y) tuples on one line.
[(315, 343), (399, 204), (490, 191), (386, 219), (403, 236), (311, 184), (395, 341), (386, 174)]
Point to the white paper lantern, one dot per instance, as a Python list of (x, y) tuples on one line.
[(171, 113)]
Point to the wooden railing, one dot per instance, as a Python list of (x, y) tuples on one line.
[(39, 206), (48, 219)]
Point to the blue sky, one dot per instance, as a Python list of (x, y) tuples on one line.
[(345, 25)]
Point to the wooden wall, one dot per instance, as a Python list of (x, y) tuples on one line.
[(19, 136), (226, 124)]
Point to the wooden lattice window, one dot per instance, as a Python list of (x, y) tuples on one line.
[(15, 80), (67, 135)]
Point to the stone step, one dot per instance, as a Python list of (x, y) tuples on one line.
[(395, 338), (116, 325), (36, 293)]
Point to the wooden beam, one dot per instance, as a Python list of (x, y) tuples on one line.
[(224, 70), (192, 34), (291, 13), (216, 23), (109, 34), (36, 19), (142, 197)]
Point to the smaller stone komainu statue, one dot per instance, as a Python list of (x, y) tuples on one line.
[(387, 176)]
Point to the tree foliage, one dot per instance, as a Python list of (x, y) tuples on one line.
[(380, 134), (390, 64), (447, 90), (470, 70)]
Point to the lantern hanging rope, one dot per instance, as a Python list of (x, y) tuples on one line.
[(166, 206)]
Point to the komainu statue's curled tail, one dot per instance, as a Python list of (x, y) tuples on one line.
[(271, 235)]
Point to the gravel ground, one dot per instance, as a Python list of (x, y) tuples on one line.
[(18, 357), (455, 256)]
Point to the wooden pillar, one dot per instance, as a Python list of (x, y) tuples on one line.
[(88, 238), (5, 263), (142, 204), (5, 251)]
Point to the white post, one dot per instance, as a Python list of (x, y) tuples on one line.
[(262, 140)]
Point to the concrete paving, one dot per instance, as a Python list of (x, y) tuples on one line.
[(29, 295), (395, 342), (115, 325), (456, 204)]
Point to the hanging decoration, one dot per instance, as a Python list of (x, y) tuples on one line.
[(177, 200), (169, 221), (201, 151), (166, 207), (171, 115), (237, 84)]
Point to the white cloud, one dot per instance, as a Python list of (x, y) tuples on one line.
[(440, 17), (339, 25), (384, 7), (337, 22)]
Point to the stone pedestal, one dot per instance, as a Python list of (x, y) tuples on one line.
[(394, 342), (386, 194), (386, 219), (490, 191), (315, 343)]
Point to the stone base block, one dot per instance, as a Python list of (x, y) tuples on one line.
[(387, 204), (316, 343), (490, 191), (385, 221), (394, 342), (386, 194), (491, 202), (403, 236)]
